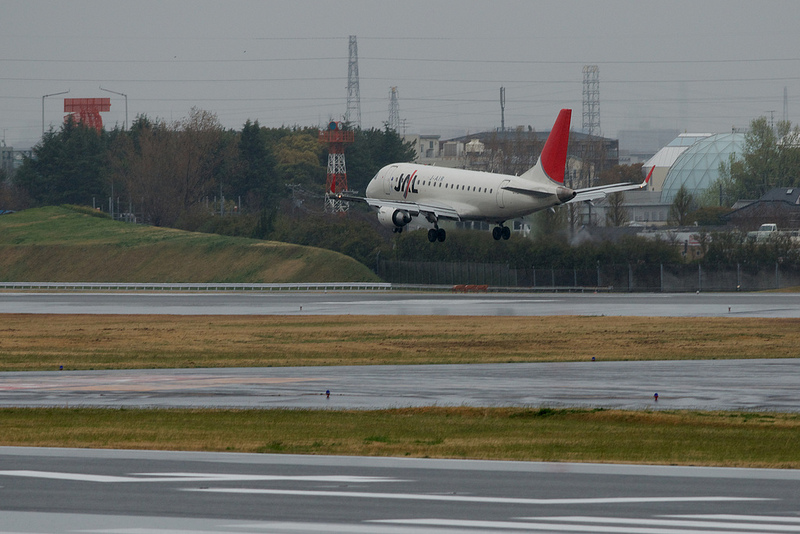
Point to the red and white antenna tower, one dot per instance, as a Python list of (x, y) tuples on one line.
[(336, 137)]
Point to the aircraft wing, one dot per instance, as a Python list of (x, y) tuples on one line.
[(439, 211), (602, 191)]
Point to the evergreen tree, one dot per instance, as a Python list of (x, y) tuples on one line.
[(371, 150), (67, 167), (255, 178)]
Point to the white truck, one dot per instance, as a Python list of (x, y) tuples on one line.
[(764, 232)]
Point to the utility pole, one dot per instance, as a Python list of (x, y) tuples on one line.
[(45, 96), (126, 103), (502, 109), (785, 104)]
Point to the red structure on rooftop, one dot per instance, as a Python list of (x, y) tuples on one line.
[(87, 110)]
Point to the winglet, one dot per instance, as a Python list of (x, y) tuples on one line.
[(554, 153), (647, 180)]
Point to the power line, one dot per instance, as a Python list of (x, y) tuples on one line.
[(410, 59)]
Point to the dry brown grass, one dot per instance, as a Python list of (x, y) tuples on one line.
[(43, 342)]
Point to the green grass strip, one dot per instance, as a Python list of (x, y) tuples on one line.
[(735, 439)]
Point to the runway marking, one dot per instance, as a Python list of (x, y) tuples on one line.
[(731, 517), (468, 498), (677, 522), (593, 528), (145, 383), (195, 477)]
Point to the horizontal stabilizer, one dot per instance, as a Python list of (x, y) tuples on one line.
[(602, 191)]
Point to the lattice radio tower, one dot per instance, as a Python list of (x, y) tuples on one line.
[(394, 111), (336, 137), (353, 114), (591, 99)]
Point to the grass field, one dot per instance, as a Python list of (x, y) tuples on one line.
[(719, 439), (45, 342)]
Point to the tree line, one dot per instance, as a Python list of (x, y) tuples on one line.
[(167, 170), (272, 180)]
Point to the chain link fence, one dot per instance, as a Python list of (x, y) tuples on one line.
[(621, 278)]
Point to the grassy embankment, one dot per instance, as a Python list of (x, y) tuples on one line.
[(63, 244)]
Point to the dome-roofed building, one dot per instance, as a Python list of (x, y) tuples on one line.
[(664, 158), (697, 167)]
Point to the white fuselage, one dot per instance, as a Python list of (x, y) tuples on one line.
[(475, 195)]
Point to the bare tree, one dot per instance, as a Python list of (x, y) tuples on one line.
[(682, 206), (513, 152), (616, 213), (169, 169)]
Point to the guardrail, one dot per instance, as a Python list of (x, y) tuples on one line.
[(204, 286)]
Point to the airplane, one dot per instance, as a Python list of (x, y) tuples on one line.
[(402, 191)]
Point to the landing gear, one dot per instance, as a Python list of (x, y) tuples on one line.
[(501, 232), (437, 234), (398, 230)]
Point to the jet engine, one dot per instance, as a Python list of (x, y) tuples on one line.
[(393, 218), (565, 194)]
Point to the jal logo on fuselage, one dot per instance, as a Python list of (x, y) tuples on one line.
[(406, 184)]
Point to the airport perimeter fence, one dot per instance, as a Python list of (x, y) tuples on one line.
[(618, 278)]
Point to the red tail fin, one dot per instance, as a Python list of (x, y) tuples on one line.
[(649, 175), (554, 153)]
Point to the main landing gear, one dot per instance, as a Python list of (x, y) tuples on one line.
[(436, 234), (501, 231)]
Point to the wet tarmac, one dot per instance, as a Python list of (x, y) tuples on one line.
[(758, 385), (777, 305)]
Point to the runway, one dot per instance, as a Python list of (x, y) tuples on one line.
[(142, 492), (299, 303), (749, 385)]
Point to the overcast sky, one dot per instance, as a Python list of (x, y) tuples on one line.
[(699, 65)]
